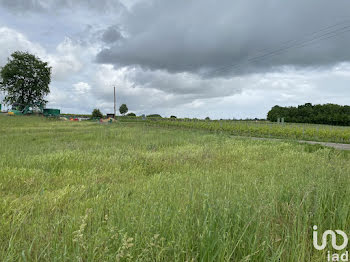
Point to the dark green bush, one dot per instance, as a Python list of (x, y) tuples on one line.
[(96, 113), (154, 115), (329, 114)]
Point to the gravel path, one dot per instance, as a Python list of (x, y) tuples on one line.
[(334, 145)]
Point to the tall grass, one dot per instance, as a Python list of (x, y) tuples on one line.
[(309, 132), (130, 192)]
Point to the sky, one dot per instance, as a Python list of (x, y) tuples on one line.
[(223, 59)]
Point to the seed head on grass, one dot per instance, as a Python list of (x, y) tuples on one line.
[(78, 236)]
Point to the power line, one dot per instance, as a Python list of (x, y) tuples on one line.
[(309, 35), (296, 45), (281, 50), (299, 44)]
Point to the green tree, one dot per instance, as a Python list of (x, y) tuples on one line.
[(329, 114), (155, 116), (96, 113), (25, 80), (123, 109)]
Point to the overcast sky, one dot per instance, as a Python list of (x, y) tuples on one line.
[(197, 58)]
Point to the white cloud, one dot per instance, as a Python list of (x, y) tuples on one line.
[(248, 96), (66, 61), (79, 84), (82, 88), (71, 58), (11, 41)]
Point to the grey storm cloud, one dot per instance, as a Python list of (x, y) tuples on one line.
[(232, 36), (111, 35), (56, 5), (187, 57), (185, 84)]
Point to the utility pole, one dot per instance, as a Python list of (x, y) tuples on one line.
[(115, 105)]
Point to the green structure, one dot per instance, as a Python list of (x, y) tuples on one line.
[(50, 112), (35, 108)]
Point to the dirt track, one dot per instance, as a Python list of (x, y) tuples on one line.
[(328, 144), (334, 145)]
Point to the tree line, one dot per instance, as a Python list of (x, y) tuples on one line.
[(329, 114)]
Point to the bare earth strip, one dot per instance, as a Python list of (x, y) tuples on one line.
[(328, 144), (334, 145)]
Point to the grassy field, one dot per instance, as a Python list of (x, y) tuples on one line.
[(310, 132), (82, 191)]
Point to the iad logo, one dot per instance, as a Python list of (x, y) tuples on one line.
[(333, 235)]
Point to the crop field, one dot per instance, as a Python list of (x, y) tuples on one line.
[(308, 132), (83, 191)]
